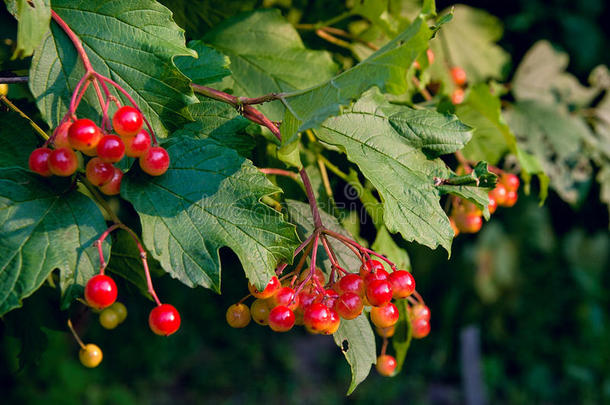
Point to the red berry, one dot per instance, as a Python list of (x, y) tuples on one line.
[(113, 187), (318, 276), (333, 324), (329, 298), (456, 230), (317, 317), (39, 161), (403, 283), (384, 316), (61, 136), (420, 328), (430, 55), (287, 297), (63, 162), (84, 135), (493, 204), (281, 319), (136, 146), (100, 291), (379, 292), (110, 149), (98, 172), (420, 311), (306, 297), (155, 161), (127, 121), (457, 96), (272, 287), (510, 181), (371, 265), (379, 274), (238, 315), (349, 305), (164, 320), (499, 194), (469, 223), (351, 283), (511, 198), (458, 75), (386, 365)]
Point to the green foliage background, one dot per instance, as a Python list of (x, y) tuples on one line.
[(534, 281)]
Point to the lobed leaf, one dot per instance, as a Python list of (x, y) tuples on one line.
[(209, 198)]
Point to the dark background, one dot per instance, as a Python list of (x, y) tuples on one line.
[(534, 284)]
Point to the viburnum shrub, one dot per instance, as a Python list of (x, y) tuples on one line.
[(419, 133)]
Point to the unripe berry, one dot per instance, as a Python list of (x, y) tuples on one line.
[(420, 328), (318, 276), (120, 310), (136, 146), (384, 316), (164, 320), (456, 230), (260, 311), (127, 121), (272, 287), (493, 205), (84, 135), (63, 162), (39, 161), (113, 187), (371, 265), (281, 319), (109, 319), (110, 149), (98, 172), (238, 315), (349, 305), (379, 292), (430, 55), (100, 291), (468, 223), (511, 198), (90, 356), (386, 365), (155, 161), (333, 324), (458, 75), (403, 283)]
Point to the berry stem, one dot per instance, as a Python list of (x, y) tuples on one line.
[(78, 339), (280, 172), (317, 219), (75, 41), (359, 247), (312, 267), (384, 346)]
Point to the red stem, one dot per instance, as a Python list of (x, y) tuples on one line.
[(359, 247), (280, 172), (75, 41)]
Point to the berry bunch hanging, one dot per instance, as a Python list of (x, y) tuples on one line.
[(305, 296)]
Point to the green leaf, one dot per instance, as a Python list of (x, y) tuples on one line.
[(556, 139), (300, 214), (435, 134), (541, 76), (386, 69), (473, 187), (468, 41), (125, 261), (209, 198), (268, 56), (356, 340), (41, 230), (402, 334), (492, 137), (34, 17), (210, 66), (385, 245), (135, 48), (403, 175), (220, 122), (289, 149), (15, 148)]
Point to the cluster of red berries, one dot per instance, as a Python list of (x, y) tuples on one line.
[(458, 75), (101, 292), (320, 308), (466, 217), (105, 149)]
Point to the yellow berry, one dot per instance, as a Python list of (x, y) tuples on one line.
[(120, 310), (260, 311), (109, 319), (238, 315), (90, 356), (3, 89)]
